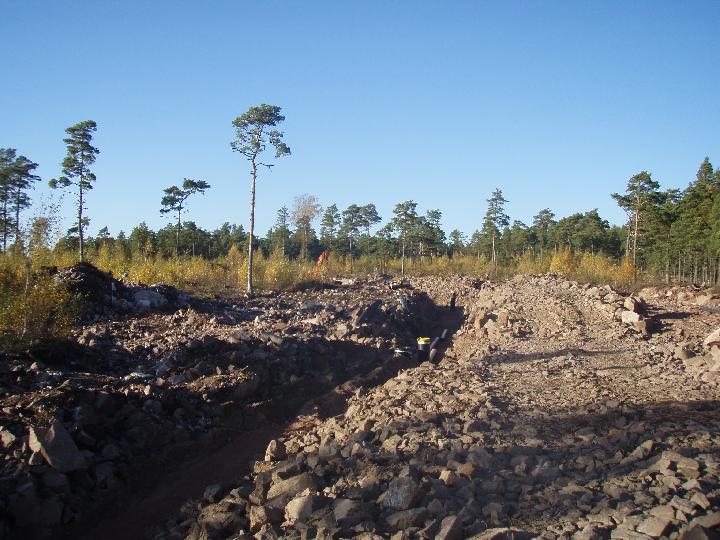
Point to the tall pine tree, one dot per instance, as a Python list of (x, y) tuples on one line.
[(76, 170)]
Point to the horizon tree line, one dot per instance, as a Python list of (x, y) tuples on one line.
[(674, 232)]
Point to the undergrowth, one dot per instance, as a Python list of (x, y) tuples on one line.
[(35, 307)]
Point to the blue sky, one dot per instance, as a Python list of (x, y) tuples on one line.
[(557, 103)]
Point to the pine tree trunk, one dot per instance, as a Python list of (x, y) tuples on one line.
[(494, 256), (402, 258), (17, 219), (5, 223), (80, 224), (627, 241), (635, 236), (177, 237), (351, 255), (252, 228)]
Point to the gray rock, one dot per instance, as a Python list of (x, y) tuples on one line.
[(263, 515), (709, 521), (7, 438), (712, 339), (146, 298), (405, 519), (630, 317), (697, 532), (695, 362), (275, 451), (633, 304), (628, 534), (591, 531), (664, 511), (450, 529), (57, 447), (401, 494), (300, 508), (348, 512), (654, 526), (292, 486)]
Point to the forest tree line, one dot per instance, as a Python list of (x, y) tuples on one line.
[(673, 233)]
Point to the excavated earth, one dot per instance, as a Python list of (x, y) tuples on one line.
[(552, 409)]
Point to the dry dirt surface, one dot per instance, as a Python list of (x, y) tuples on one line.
[(552, 409), (557, 410)]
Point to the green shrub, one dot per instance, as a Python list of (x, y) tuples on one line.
[(33, 307)]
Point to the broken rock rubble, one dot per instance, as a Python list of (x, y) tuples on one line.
[(78, 417), (554, 421)]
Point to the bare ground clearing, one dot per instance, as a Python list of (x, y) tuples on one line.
[(554, 410)]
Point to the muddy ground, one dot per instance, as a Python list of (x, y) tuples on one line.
[(552, 409)]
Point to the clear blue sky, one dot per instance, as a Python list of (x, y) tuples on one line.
[(557, 103)]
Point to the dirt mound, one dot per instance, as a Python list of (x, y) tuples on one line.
[(106, 297), (94, 285)]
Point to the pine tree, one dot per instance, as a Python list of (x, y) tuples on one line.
[(352, 223), (252, 135), (658, 231), (329, 224), (542, 222), (76, 170), (457, 241), (174, 201), (8, 158), (281, 232), (23, 178), (642, 192), (495, 220), (691, 231), (405, 223)]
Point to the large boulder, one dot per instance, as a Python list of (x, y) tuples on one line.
[(57, 447), (290, 487), (147, 298)]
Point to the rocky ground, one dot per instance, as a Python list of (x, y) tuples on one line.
[(154, 377), (553, 409), (558, 411)]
